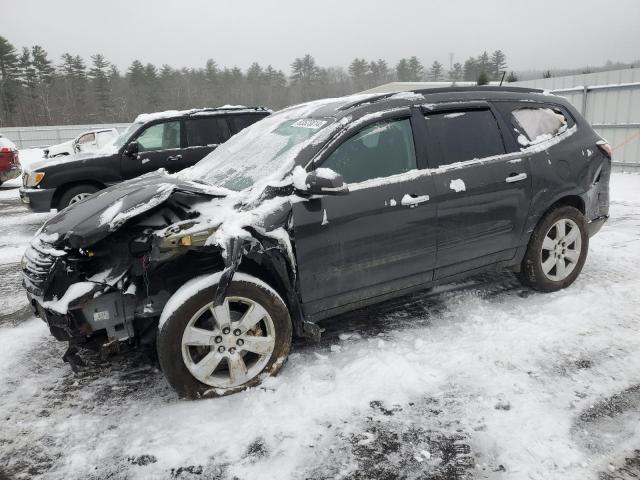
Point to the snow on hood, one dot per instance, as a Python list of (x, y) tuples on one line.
[(66, 160)]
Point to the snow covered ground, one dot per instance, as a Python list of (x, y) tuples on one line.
[(479, 380)]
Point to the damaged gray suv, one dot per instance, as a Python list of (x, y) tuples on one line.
[(316, 210)]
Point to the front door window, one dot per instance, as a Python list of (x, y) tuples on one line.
[(379, 150), (161, 136)]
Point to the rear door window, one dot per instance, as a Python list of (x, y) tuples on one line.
[(379, 150), (463, 135), (206, 131), (538, 124)]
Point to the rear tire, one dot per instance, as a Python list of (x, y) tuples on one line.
[(205, 352), (557, 250), (76, 194)]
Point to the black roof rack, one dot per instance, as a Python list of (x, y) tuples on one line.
[(229, 108), (364, 101), (475, 88), (427, 91)]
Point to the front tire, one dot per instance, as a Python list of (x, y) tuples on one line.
[(76, 194), (207, 351), (557, 250)]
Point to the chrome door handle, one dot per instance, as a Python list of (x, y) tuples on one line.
[(515, 178), (412, 200), (177, 157)]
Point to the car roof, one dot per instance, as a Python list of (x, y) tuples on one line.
[(356, 106), (194, 112)]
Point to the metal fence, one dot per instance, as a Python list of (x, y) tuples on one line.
[(32, 137), (610, 101)]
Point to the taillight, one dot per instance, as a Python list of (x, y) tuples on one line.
[(5, 159), (605, 148), (8, 156)]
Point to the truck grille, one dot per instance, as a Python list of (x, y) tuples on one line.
[(37, 265)]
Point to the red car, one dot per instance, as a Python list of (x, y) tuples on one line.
[(9, 163)]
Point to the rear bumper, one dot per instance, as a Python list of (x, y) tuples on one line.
[(10, 174), (39, 200), (596, 224)]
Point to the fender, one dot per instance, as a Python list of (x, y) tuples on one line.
[(267, 259)]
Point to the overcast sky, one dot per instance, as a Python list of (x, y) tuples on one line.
[(534, 34)]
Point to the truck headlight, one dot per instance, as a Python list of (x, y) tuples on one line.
[(32, 179)]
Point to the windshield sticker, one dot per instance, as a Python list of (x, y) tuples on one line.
[(309, 123)]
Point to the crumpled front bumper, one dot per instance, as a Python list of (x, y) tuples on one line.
[(111, 313)]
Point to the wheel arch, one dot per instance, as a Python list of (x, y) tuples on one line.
[(572, 200), (273, 268)]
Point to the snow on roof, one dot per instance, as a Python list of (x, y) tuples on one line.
[(408, 86), (149, 117)]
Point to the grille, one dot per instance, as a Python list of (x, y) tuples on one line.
[(37, 265)]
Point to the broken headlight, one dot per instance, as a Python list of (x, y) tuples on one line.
[(185, 235)]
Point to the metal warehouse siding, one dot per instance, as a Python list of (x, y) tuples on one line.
[(610, 101)]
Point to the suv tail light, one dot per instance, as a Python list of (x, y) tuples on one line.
[(605, 148), (8, 156)]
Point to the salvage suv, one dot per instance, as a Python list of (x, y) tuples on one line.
[(316, 210), (172, 140)]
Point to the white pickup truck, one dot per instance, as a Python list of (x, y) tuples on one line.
[(89, 141)]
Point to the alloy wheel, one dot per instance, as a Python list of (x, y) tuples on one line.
[(561, 249), (228, 345)]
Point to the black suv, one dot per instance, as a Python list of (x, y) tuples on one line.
[(171, 140), (319, 209)]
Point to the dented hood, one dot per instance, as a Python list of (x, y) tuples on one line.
[(94, 218)]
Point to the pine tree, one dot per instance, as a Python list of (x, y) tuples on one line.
[(305, 75), (435, 72), (44, 72), (484, 63), (456, 73), (512, 77), (99, 75), (498, 64), (483, 78), (416, 69), (403, 72), (358, 71), (471, 69), (9, 86), (378, 73), (28, 81)]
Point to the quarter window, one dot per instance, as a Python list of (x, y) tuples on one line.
[(379, 150), (464, 135), (538, 124), (206, 131), (161, 136), (240, 122)]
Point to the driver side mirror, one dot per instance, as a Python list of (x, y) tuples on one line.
[(132, 149), (324, 181)]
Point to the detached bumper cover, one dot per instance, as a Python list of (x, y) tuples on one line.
[(596, 224), (40, 200)]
